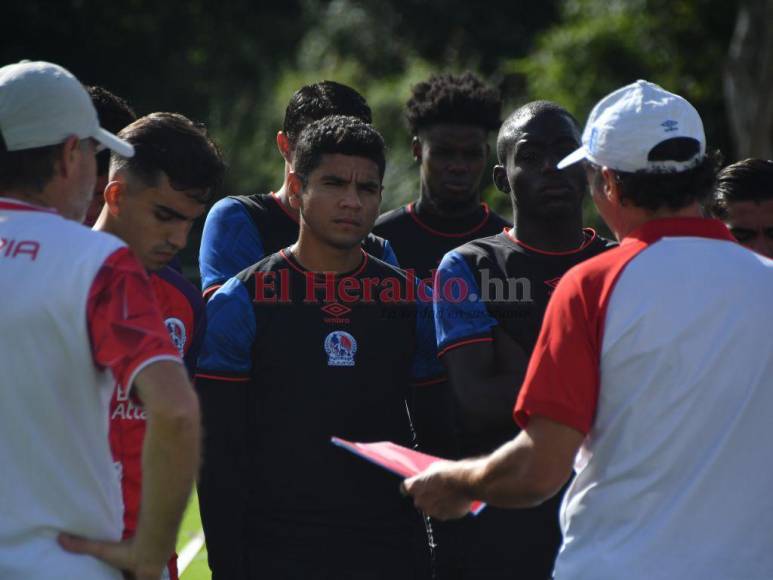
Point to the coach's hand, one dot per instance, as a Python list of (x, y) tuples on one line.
[(440, 491), (121, 555)]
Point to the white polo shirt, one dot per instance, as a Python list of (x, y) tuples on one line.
[(77, 314), (661, 352)]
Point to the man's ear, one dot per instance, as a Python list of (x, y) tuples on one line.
[(283, 144), (114, 196), (69, 156), (612, 187), (416, 148), (295, 189), (500, 179)]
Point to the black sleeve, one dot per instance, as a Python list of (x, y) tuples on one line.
[(223, 484)]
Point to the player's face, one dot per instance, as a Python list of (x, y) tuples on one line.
[(540, 189), (752, 224), (453, 159), (340, 201), (155, 221), (97, 201)]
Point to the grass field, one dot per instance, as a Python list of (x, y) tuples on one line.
[(189, 534)]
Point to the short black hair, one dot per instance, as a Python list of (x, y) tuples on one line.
[(29, 169), (172, 144), (314, 102), (337, 134), (114, 114), (654, 190), (747, 180), (510, 129), (456, 99)]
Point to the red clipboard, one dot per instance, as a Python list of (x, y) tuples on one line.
[(397, 459)]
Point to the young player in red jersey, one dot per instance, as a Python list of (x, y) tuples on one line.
[(151, 202)]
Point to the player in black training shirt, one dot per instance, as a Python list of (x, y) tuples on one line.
[(242, 229), (450, 118), (319, 339), (491, 295)]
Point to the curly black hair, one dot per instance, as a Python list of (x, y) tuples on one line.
[(747, 180), (458, 99), (337, 134), (314, 102)]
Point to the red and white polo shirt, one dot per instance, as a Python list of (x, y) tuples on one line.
[(660, 351)]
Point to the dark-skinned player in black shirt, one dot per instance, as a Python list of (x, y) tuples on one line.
[(491, 295), (450, 118), (319, 339)]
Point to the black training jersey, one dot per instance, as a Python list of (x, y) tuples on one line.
[(500, 281), (292, 358), (420, 240), (242, 229)]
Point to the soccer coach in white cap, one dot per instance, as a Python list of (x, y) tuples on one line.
[(78, 315), (652, 375)]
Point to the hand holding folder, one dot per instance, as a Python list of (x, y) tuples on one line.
[(397, 459)]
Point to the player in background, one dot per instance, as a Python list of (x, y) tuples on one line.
[(242, 229), (490, 297), (78, 314), (319, 339), (151, 201), (450, 119), (743, 199), (652, 375), (114, 114)]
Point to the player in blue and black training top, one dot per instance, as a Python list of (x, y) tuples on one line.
[(242, 229), (450, 118), (317, 340), (490, 297)]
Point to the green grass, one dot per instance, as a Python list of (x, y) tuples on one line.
[(191, 525)]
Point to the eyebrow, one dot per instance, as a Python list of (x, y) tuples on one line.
[(173, 213)]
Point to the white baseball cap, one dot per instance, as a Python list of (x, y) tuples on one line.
[(627, 124), (43, 104)]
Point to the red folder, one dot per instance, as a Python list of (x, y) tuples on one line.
[(397, 459)]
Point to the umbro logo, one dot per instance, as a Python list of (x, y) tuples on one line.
[(335, 309), (336, 313)]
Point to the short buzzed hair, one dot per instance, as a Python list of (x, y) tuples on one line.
[(172, 144), (314, 102), (509, 131), (747, 180), (337, 134)]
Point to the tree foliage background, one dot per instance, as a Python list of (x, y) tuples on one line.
[(233, 64)]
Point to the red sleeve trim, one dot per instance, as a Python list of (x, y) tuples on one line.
[(124, 320), (208, 292), (222, 378), (465, 342), (553, 412)]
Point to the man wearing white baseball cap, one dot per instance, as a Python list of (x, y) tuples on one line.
[(78, 315), (652, 375)]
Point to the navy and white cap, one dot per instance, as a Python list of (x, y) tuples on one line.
[(628, 123), (42, 104)]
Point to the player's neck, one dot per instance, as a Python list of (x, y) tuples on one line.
[(562, 234), (283, 198), (426, 205), (318, 256)]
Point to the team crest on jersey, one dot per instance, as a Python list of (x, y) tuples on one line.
[(340, 347), (177, 333)]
